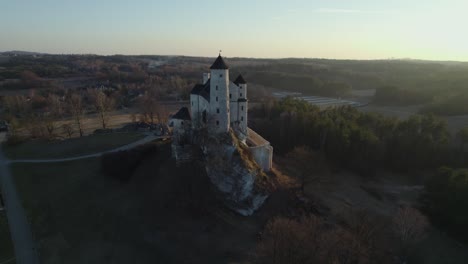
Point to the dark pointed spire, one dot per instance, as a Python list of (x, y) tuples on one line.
[(240, 80), (219, 64)]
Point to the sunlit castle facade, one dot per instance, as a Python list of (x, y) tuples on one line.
[(218, 103)]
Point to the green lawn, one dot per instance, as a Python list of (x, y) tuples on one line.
[(39, 149), (6, 246)]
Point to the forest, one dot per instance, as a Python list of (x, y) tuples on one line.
[(367, 143)]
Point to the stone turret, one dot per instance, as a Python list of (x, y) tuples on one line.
[(219, 118), (242, 103)]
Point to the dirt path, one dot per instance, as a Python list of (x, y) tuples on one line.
[(20, 230)]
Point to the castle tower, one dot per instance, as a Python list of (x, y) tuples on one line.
[(242, 103), (219, 96)]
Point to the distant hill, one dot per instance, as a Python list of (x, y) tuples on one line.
[(20, 52)]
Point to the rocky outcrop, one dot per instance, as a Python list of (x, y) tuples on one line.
[(234, 173)]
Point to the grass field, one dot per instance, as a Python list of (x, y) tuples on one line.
[(164, 214), (38, 149), (6, 247)]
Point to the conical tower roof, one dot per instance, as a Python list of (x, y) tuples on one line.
[(219, 64), (240, 80)]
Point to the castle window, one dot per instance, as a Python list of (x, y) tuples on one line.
[(217, 110), (220, 75), (216, 87), (240, 94), (242, 108), (242, 118), (240, 86), (182, 123), (230, 96), (216, 98), (217, 123)]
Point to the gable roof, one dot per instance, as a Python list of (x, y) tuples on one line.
[(182, 114), (219, 64), (240, 80), (202, 90)]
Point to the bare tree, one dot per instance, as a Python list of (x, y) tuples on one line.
[(17, 104), (68, 129), (151, 108), (307, 165), (409, 225), (77, 109), (103, 105), (55, 105), (133, 117), (50, 126), (310, 240)]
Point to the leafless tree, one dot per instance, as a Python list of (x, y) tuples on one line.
[(307, 165), (68, 129), (410, 226), (55, 105), (151, 108), (133, 117), (17, 104), (77, 109), (103, 105), (50, 126), (311, 240)]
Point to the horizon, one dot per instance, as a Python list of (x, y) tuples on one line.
[(227, 57), (335, 30)]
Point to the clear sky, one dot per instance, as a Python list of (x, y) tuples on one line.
[(346, 29)]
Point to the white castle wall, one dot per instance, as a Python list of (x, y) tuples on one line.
[(263, 155), (198, 104), (233, 102), (219, 102)]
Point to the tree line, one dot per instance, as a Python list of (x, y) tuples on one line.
[(359, 141)]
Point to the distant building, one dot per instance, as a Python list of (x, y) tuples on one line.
[(219, 105)]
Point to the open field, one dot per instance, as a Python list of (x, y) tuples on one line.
[(117, 119), (41, 149), (164, 214), (6, 247)]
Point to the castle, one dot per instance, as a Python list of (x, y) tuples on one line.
[(220, 105)]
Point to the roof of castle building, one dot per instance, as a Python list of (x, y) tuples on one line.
[(219, 64), (182, 114), (202, 90), (240, 80)]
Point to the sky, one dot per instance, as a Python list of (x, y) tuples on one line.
[(345, 29)]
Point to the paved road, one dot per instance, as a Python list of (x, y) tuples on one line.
[(129, 146), (20, 230)]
